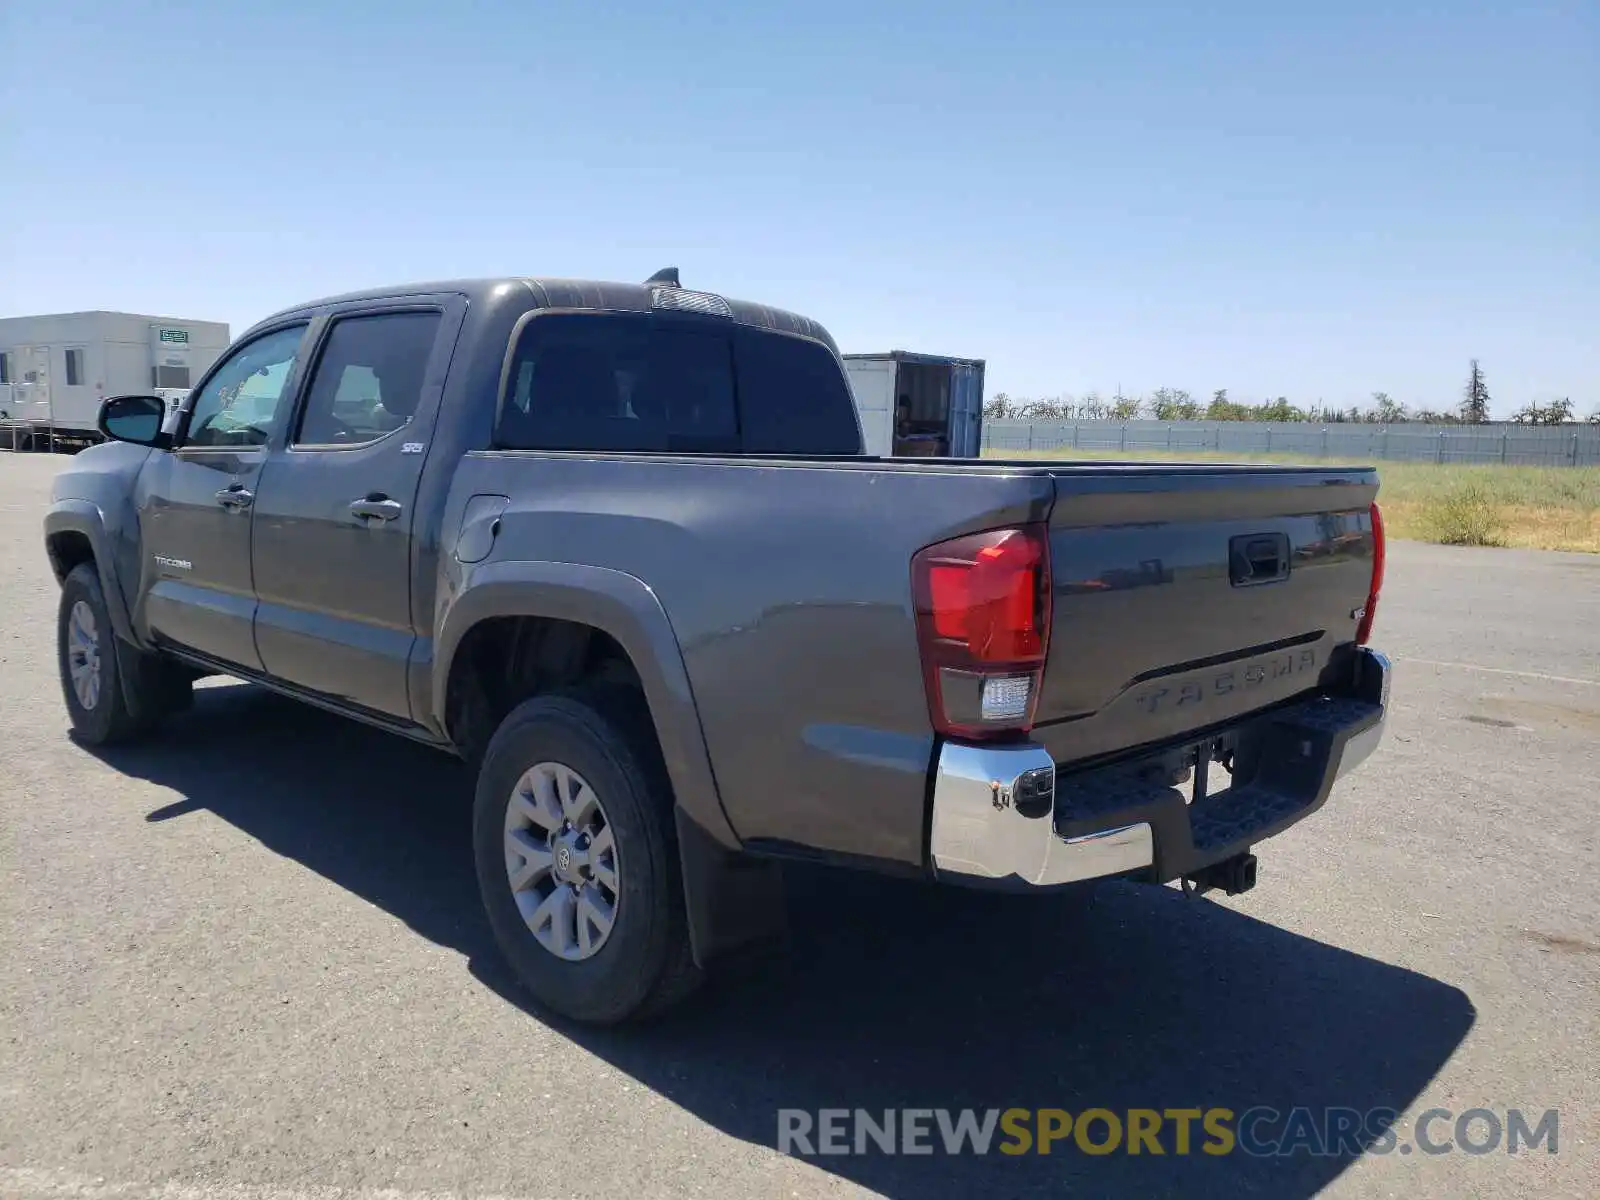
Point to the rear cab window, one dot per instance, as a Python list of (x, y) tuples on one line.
[(794, 398), (638, 382)]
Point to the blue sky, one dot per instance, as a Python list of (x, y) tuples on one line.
[(1315, 200)]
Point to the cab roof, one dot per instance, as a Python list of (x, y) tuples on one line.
[(573, 294)]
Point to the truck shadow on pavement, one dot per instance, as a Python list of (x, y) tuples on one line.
[(887, 995)]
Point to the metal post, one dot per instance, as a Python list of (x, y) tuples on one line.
[(1219, 437), (1324, 441), (1504, 437), (1438, 449), (1169, 437), (1074, 435), (1030, 435), (1124, 444), (1574, 449), (1269, 439)]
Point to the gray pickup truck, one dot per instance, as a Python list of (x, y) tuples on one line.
[(617, 547)]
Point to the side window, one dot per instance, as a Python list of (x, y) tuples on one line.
[(368, 378), (793, 397), (239, 403), (74, 367), (619, 382)]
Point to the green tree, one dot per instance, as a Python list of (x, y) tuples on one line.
[(1278, 410), (1125, 408), (997, 408), (1475, 400), (1173, 404), (1557, 412), (1387, 409), (1048, 410)]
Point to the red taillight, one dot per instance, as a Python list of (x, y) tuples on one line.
[(983, 622), (1364, 629)]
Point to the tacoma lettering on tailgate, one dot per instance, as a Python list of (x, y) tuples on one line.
[(1224, 681)]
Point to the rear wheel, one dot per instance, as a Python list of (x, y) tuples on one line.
[(577, 865), (113, 691)]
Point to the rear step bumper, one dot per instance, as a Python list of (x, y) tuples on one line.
[(1005, 816)]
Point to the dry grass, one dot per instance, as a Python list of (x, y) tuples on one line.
[(1536, 508)]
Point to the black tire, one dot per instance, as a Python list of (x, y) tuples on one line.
[(645, 965), (135, 689)]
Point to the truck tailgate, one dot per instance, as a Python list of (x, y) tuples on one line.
[(1184, 597)]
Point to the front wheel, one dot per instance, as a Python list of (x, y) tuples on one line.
[(113, 691), (577, 864)]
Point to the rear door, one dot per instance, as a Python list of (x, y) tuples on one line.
[(1188, 596), (195, 503), (966, 409), (335, 516)]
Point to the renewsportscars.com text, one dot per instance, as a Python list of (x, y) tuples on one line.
[(1258, 1131)]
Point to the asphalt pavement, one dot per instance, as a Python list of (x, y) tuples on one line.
[(246, 960)]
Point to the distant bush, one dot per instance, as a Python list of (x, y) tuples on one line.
[(1468, 514)]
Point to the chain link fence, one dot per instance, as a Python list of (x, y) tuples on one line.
[(1512, 445)]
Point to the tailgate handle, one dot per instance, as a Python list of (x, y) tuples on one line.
[(1258, 558)]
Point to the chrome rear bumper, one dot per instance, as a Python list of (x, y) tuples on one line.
[(979, 833), (1358, 749), (994, 820)]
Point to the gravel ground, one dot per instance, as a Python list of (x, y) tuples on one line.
[(247, 960)]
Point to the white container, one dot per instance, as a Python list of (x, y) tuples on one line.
[(924, 405), (61, 366)]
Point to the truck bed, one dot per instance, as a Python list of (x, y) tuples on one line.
[(1152, 635), (787, 583)]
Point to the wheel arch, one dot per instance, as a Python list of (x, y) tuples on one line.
[(621, 608), (75, 533)]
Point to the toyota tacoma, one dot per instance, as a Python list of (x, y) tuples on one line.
[(617, 546)]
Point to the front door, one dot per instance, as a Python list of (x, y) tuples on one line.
[(195, 504), (333, 522)]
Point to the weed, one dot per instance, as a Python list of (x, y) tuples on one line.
[(1466, 515)]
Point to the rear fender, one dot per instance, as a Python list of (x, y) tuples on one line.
[(621, 606), (716, 876)]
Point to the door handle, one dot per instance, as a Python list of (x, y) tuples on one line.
[(376, 507), (235, 497), (1258, 558)]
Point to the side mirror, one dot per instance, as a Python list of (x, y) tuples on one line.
[(136, 419)]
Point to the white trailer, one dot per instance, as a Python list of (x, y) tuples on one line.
[(918, 404), (56, 369)]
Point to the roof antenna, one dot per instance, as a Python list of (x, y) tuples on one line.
[(666, 277)]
